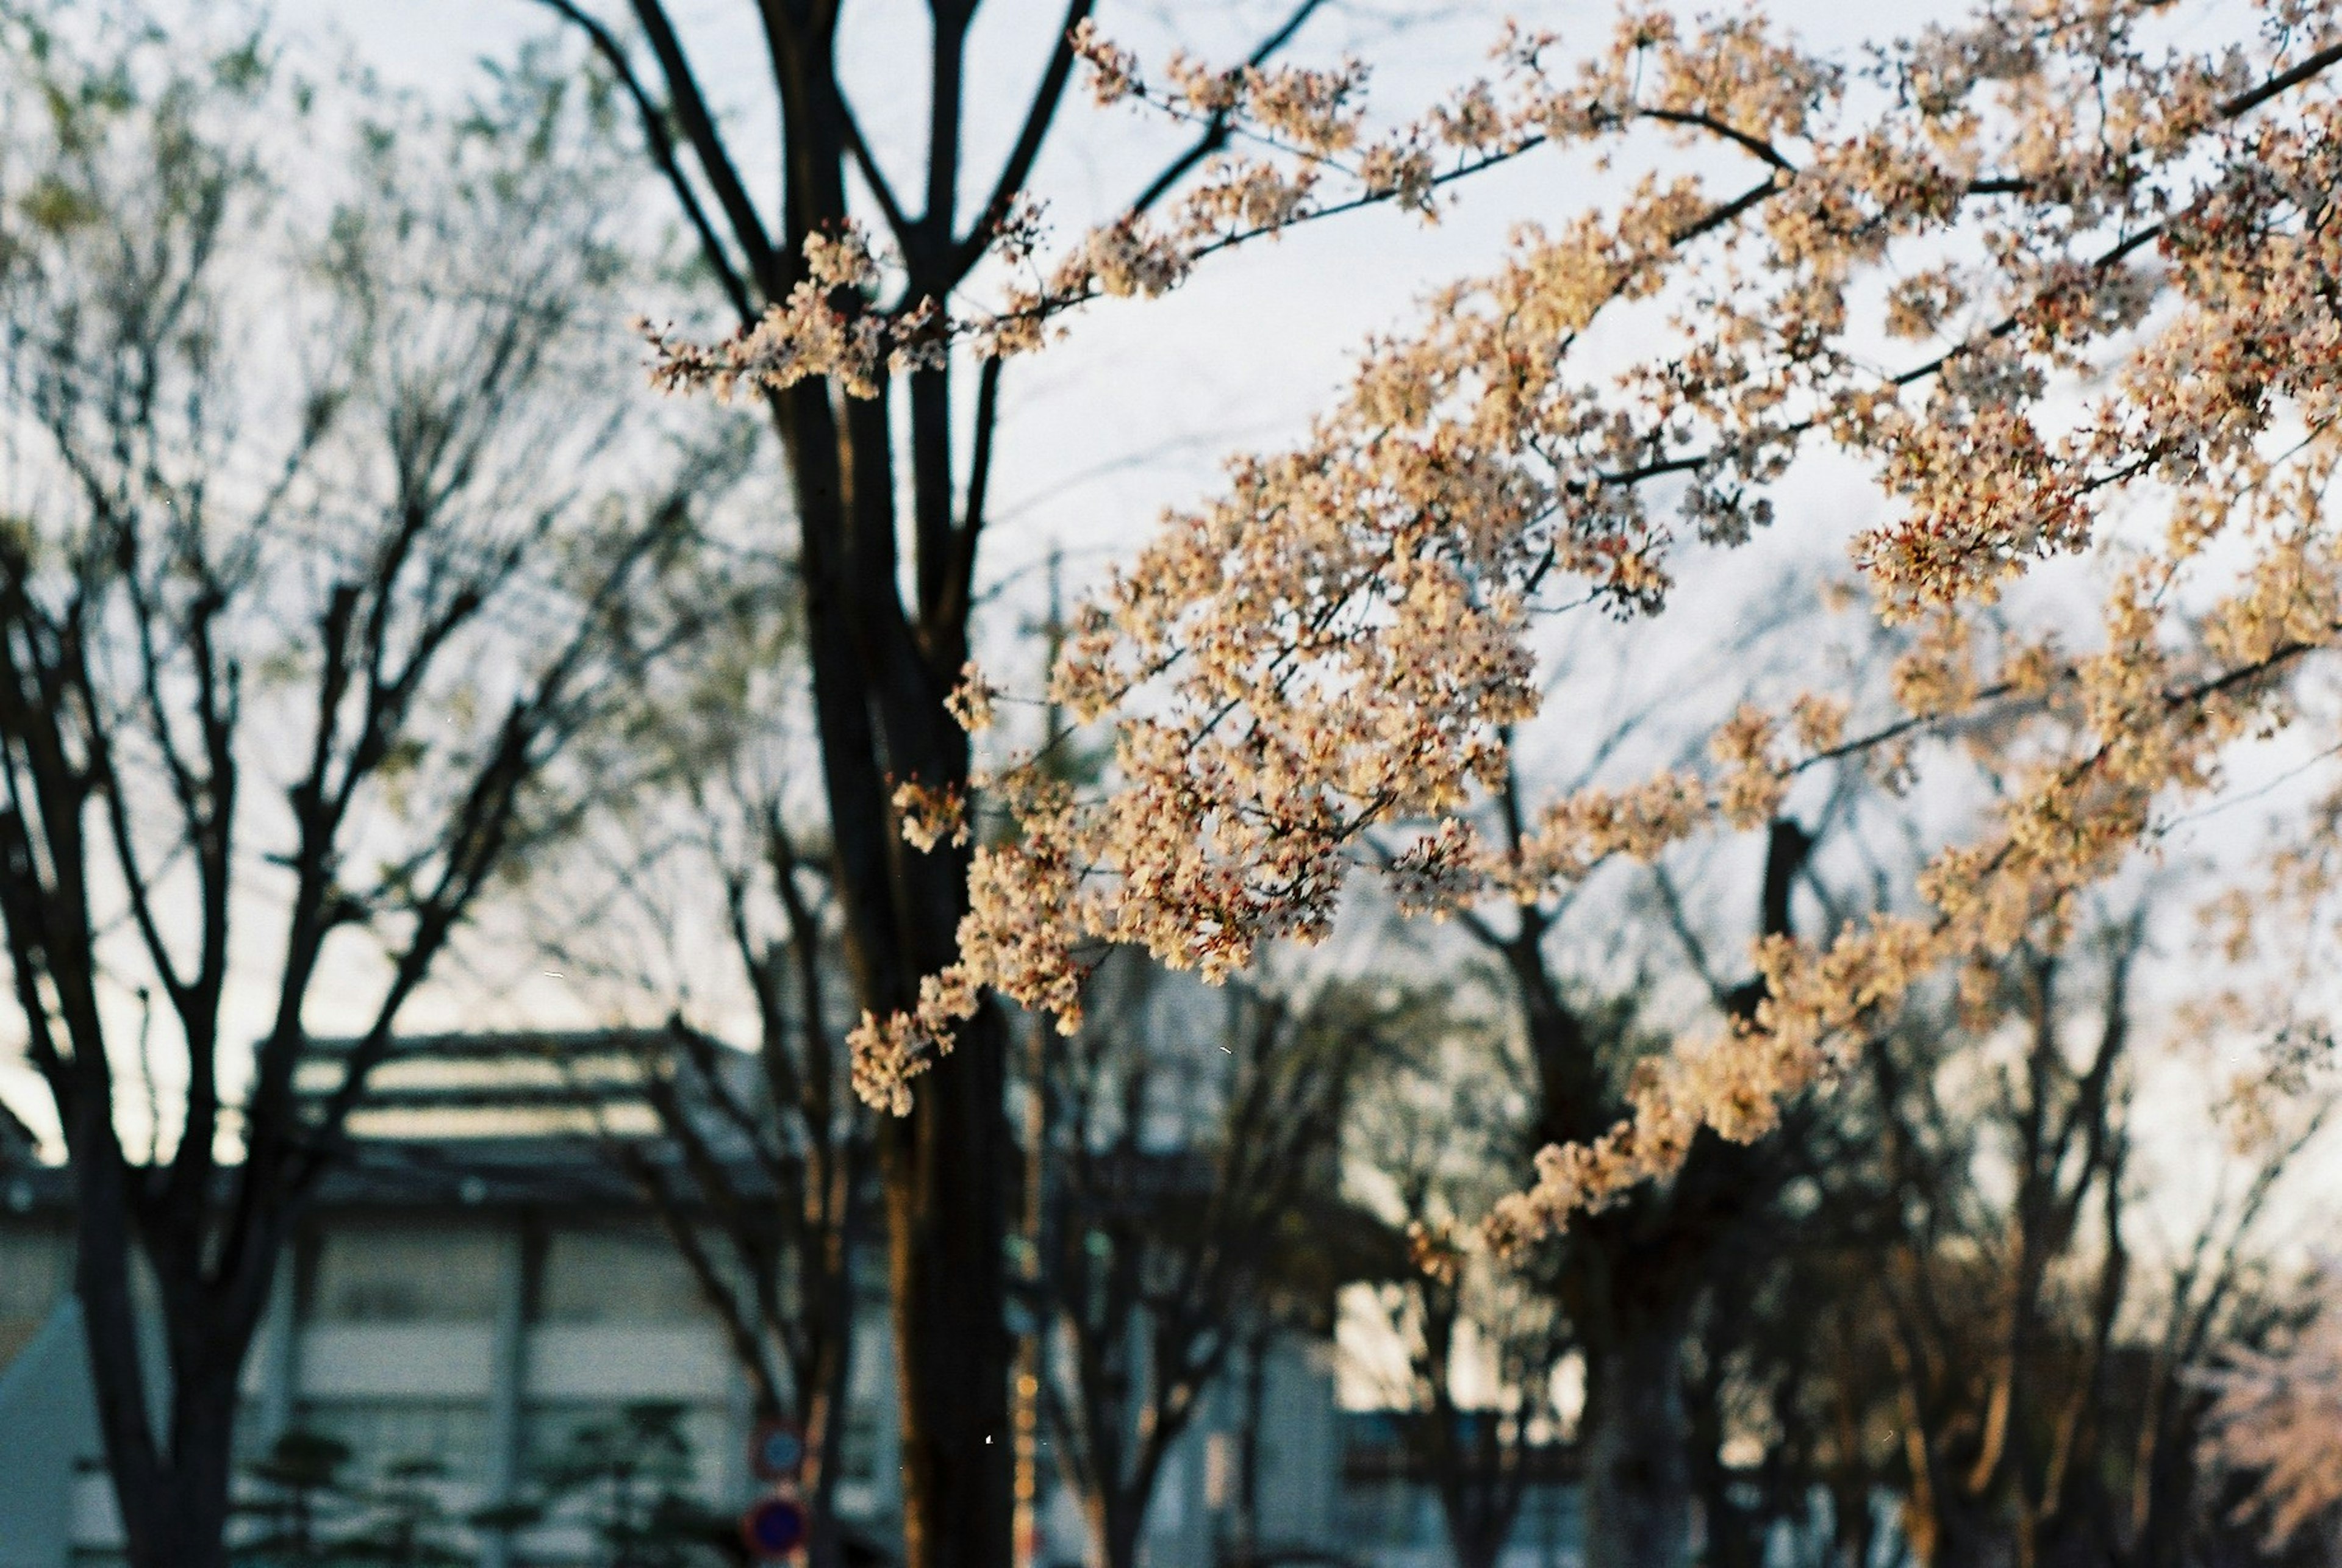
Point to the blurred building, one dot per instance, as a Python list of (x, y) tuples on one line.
[(480, 1308)]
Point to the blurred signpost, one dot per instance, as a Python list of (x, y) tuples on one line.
[(778, 1451), (774, 1527)]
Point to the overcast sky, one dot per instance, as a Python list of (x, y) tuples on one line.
[(1138, 407)]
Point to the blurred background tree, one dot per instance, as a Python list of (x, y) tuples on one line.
[(328, 511)]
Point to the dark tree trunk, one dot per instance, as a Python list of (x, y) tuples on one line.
[(1247, 1544), (824, 1407), (192, 1518), (1124, 1521), (1633, 1274), (879, 689), (172, 1488), (1636, 1432), (947, 1166), (1478, 1542), (881, 672), (1479, 1483), (946, 1241)]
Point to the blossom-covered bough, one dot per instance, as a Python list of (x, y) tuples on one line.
[(2062, 276), (2277, 1415)]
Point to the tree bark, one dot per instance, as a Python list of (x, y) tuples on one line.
[(1123, 1524), (947, 1166), (1635, 1429), (946, 1238), (173, 1496), (879, 688), (1636, 1438)]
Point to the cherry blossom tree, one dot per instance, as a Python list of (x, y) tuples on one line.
[(2277, 1420), (2056, 277), (2061, 280)]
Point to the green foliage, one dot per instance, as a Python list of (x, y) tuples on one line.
[(56, 207), (629, 1478), (625, 1480), (313, 1512)]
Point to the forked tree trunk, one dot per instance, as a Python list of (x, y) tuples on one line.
[(946, 1166), (174, 1476), (879, 685), (1637, 1268)]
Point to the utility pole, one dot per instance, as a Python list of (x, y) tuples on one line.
[(1024, 1396)]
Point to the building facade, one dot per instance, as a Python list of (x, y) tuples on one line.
[(481, 1336)]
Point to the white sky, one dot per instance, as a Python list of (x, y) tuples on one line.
[(1136, 410)]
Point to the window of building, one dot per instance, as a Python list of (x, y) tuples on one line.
[(617, 1276), (34, 1266), (860, 1448), (403, 1273)]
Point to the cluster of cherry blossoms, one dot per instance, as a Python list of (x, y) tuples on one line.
[(2045, 276), (2277, 1416)]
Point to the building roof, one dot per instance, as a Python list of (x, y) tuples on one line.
[(520, 1083), (482, 1120)]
